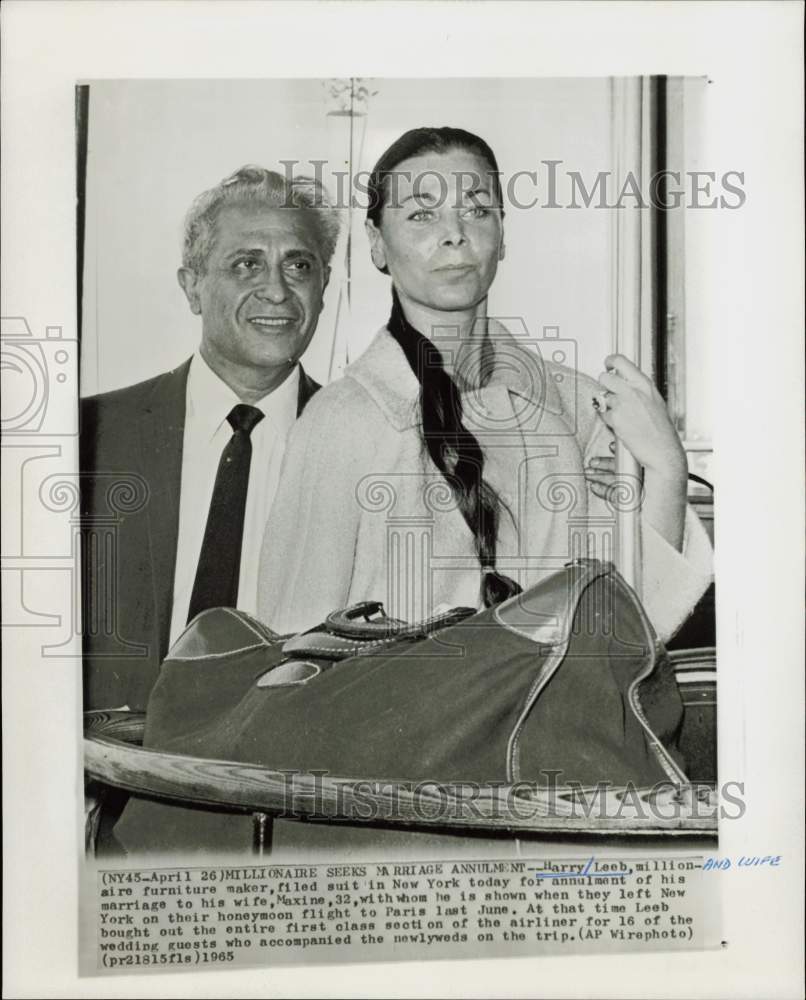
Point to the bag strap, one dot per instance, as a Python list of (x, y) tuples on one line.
[(367, 620), (365, 628), (544, 614)]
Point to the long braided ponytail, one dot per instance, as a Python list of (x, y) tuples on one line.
[(454, 449)]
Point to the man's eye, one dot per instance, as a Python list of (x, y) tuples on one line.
[(421, 215), (299, 265), (246, 265), (477, 212)]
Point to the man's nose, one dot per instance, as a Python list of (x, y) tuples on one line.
[(273, 287)]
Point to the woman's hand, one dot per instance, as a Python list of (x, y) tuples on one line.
[(634, 410), (600, 473), (636, 413)]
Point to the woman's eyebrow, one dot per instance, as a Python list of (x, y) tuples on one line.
[(427, 196), (419, 196)]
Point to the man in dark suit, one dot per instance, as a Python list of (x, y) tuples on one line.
[(178, 472)]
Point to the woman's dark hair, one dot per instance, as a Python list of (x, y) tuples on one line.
[(452, 447)]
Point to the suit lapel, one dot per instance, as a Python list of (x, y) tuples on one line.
[(307, 387), (162, 428)]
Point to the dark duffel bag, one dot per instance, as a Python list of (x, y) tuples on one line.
[(563, 684)]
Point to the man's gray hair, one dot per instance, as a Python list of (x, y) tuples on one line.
[(266, 187)]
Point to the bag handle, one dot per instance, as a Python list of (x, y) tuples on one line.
[(368, 620)]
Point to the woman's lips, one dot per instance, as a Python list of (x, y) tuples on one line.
[(454, 269)]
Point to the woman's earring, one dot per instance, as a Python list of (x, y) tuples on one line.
[(378, 258)]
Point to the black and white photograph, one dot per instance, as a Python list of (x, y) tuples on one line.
[(380, 476), (346, 591)]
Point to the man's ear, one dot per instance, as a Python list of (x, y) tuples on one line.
[(502, 250), (189, 281), (376, 247)]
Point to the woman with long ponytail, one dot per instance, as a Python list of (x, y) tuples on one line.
[(452, 448), (522, 446)]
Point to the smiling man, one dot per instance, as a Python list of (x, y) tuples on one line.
[(206, 440)]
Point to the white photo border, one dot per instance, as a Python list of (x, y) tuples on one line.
[(752, 54)]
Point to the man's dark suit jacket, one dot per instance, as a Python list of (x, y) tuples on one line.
[(131, 468)]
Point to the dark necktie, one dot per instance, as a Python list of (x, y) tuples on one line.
[(216, 583)]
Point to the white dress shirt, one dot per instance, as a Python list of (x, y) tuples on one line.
[(207, 433)]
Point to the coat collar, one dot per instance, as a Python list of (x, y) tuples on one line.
[(383, 371)]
